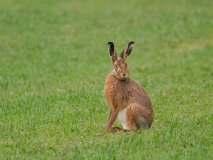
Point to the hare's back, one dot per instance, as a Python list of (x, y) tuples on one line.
[(139, 95)]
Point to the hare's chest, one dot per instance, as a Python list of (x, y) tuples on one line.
[(121, 99), (122, 95)]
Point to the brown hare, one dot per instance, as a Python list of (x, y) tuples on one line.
[(127, 99)]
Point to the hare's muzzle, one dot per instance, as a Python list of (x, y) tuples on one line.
[(124, 76)]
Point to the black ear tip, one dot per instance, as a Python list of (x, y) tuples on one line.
[(132, 42), (111, 44)]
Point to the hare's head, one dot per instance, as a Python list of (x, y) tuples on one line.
[(119, 68)]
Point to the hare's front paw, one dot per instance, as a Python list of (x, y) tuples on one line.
[(105, 129)]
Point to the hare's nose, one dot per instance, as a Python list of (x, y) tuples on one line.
[(124, 75)]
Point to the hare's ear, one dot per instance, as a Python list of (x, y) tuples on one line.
[(112, 51), (127, 50)]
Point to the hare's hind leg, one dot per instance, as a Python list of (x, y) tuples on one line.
[(135, 117)]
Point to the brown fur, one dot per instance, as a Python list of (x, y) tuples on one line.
[(121, 92)]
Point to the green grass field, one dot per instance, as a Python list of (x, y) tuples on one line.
[(54, 62)]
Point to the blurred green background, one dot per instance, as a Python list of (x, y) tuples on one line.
[(54, 62)]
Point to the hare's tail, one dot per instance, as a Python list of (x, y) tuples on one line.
[(141, 122)]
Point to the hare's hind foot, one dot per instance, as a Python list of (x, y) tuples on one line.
[(116, 129)]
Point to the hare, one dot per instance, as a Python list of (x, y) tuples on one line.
[(127, 99)]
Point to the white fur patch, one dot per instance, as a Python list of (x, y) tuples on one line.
[(123, 119), (129, 128), (125, 127), (122, 116)]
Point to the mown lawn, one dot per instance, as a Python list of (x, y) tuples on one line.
[(53, 65)]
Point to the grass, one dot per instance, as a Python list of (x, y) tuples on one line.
[(53, 66)]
